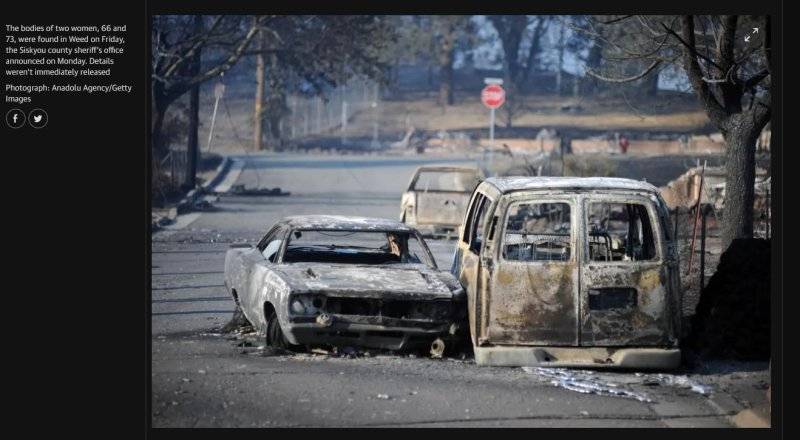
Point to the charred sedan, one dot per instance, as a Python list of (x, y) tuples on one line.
[(346, 281)]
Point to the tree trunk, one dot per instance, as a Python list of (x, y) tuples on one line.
[(275, 106), (159, 149), (560, 60), (259, 99), (446, 87), (194, 109), (739, 179), (192, 144), (650, 85), (593, 61), (446, 55)]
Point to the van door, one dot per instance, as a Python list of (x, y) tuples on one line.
[(533, 290), (624, 276), (468, 261)]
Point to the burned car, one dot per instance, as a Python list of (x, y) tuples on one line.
[(563, 271), (437, 197), (345, 281)]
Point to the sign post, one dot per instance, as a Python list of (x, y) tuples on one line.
[(493, 96), (219, 91)]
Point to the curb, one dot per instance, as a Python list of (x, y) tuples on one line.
[(194, 195)]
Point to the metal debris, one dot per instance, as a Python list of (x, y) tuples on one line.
[(681, 381), (589, 382), (586, 382)]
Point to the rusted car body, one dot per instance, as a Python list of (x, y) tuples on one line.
[(563, 271), (346, 281), (437, 197)]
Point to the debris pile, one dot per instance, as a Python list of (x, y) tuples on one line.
[(238, 323), (241, 190), (732, 320)]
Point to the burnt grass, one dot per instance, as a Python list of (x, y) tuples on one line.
[(732, 320)]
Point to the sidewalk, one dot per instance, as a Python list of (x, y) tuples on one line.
[(196, 198), (741, 391)]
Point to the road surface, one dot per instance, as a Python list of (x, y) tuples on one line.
[(201, 378)]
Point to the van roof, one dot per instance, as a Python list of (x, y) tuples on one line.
[(521, 183)]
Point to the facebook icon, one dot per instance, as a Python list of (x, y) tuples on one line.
[(15, 118)]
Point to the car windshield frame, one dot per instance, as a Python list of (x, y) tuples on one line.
[(427, 256)]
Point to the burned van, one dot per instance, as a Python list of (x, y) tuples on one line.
[(576, 272)]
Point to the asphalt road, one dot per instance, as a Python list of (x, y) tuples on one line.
[(201, 378)]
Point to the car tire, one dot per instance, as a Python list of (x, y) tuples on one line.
[(274, 335)]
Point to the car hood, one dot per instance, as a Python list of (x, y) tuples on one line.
[(400, 281)]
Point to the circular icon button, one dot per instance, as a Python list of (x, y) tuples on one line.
[(15, 118), (37, 118)]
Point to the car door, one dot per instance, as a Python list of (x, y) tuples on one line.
[(625, 281), (467, 260), (533, 289)]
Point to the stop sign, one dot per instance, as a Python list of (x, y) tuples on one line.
[(493, 96)]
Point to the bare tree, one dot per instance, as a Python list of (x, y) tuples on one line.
[(176, 41), (448, 28), (727, 60), (517, 64)]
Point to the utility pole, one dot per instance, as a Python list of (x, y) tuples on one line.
[(259, 104), (375, 117), (318, 105), (194, 109), (344, 114), (294, 114)]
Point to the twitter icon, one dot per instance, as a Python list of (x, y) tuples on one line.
[(37, 118)]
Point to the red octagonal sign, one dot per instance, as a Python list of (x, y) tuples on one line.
[(493, 96)]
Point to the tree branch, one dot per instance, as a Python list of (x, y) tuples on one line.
[(691, 46), (231, 60), (755, 79), (627, 79), (715, 111), (615, 20), (727, 42)]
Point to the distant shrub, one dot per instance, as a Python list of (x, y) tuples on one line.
[(589, 166)]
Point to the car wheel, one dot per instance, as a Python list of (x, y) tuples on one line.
[(274, 334)]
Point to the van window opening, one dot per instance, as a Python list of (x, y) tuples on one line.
[(538, 232), (619, 232)]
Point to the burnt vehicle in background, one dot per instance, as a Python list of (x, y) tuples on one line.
[(574, 272), (345, 281), (437, 197)]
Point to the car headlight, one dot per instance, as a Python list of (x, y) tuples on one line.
[(297, 307), (305, 305)]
